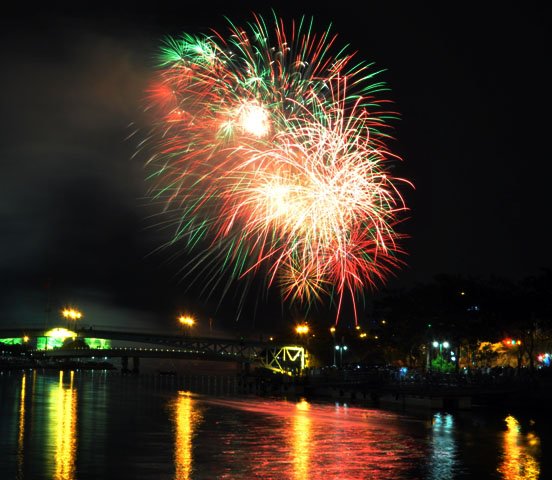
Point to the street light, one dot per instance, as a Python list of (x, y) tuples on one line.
[(341, 348), (440, 345), (332, 331), (302, 329), (71, 314), (187, 322)]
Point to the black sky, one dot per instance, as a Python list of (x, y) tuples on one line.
[(471, 83)]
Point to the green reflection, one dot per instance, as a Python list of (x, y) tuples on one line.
[(21, 431), (520, 453)]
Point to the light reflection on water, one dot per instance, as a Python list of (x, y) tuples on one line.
[(301, 440), (21, 429), (187, 417), (151, 434), (64, 426), (443, 452), (520, 453)]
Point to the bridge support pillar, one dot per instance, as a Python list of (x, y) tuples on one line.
[(135, 364), (124, 364)]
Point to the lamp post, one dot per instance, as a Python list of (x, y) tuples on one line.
[(341, 348), (441, 346), (187, 323), (302, 330), (332, 331), (71, 314)]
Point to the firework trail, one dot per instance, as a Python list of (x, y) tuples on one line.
[(271, 154)]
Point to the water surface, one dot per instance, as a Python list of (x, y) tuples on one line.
[(100, 425)]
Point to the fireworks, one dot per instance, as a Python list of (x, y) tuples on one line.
[(272, 156)]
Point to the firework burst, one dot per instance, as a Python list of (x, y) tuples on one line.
[(272, 153)]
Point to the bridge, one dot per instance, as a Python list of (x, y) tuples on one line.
[(280, 358)]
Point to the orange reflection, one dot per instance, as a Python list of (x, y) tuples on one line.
[(186, 419), (520, 453), (65, 429), (21, 434), (301, 440)]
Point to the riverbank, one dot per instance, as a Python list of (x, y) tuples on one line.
[(534, 392)]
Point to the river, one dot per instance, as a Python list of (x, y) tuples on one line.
[(101, 425)]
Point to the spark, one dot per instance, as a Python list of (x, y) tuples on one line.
[(272, 157)]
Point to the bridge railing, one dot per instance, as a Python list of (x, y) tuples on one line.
[(276, 357)]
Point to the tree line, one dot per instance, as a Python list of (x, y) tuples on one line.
[(467, 312)]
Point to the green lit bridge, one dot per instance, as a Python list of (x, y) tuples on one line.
[(60, 343)]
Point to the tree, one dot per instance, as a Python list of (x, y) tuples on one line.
[(441, 365)]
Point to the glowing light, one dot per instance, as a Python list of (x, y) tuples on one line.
[(60, 333), (71, 314), (11, 341), (302, 329), (435, 344), (446, 344), (54, 338), (98, 343), (186, 320), (287, 359)]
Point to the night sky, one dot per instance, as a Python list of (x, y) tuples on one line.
[(471, 84)]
